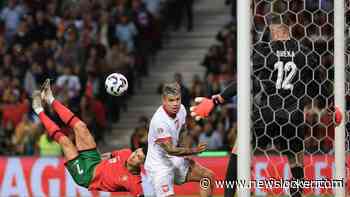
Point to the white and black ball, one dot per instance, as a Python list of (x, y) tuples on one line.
[(116, 84)]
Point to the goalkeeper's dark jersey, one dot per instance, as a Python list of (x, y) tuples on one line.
[(279, 73)]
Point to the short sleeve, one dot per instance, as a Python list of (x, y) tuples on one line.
[(136, 187), (161, 131)]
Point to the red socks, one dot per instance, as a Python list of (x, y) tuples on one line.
[(65, 114), (52, 129)]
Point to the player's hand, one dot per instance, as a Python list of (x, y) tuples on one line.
[(203, 107), (200, 148)]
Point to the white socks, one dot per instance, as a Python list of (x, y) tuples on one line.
[(38, 110), (51, 99)]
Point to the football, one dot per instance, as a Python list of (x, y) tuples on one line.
[(116, 84)]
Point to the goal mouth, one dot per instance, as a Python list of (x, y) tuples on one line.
[(293, 117)]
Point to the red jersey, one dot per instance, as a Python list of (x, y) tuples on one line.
[(112, 175)]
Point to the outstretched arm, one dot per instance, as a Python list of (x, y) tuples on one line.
[(205, 105), (229, 91), (225, 95), (184, 139)]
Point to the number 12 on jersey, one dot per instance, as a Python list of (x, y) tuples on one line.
[(285, 74)]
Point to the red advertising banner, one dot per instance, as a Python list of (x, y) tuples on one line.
[(39, 176), (320, 168)]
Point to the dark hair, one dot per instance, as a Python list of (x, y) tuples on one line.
[(144, 149)]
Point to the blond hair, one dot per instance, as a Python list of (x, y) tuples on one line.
[(171, 89), (279, 32)]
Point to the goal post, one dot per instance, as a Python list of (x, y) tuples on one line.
[(244, 25), (339, 93)]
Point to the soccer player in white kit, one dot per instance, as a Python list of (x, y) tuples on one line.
[(165, 164)]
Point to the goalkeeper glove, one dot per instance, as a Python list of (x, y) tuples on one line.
[(338, 116), (203, 108)]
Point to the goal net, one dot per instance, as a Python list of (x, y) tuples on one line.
[(293, 97)]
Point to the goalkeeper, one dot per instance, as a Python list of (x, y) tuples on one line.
[(202, 110)]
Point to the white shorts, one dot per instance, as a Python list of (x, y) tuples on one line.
[(163, 180)]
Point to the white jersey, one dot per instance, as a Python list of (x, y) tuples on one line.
[(163, 127)]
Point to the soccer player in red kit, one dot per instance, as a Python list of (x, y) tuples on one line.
[(115, 171)]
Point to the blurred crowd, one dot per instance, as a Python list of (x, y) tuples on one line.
[(75, 44), (219, 130), (78, 43)]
